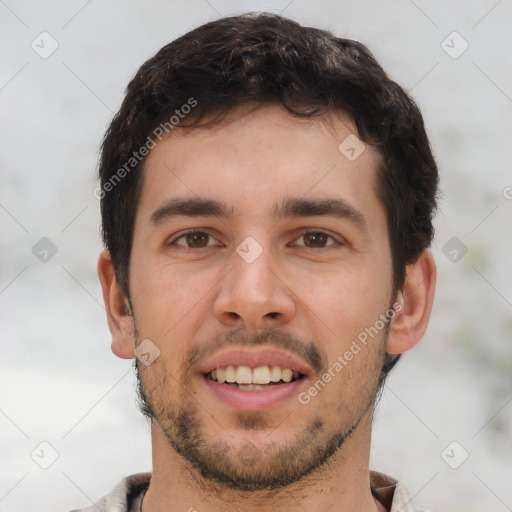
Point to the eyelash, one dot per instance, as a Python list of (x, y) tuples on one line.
[(303, 233)]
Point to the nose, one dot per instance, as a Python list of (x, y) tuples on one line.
[(254, 294)]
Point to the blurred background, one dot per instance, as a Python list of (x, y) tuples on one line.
[(69, 427)]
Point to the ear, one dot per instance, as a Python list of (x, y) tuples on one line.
[(120, 320), (415, 300)]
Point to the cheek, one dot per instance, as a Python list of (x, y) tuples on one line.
[(346, 298), (168, 300), (346, 312)]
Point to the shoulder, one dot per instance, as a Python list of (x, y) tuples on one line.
[(122, 497), (391, 493)]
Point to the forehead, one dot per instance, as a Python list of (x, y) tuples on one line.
[(253, 158)]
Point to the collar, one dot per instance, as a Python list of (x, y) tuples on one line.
[(128, 494)]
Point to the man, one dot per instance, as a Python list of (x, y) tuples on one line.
[(267, 195)]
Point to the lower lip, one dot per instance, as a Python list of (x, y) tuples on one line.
[(255, 400)]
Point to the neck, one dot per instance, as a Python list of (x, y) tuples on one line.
[(343, 484)]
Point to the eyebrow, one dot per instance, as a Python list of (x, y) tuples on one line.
[(299, 207), (190, 207), (288, 207)]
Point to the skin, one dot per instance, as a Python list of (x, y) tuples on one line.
[(305, 292)]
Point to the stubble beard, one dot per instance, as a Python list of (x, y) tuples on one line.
[(269, 466)]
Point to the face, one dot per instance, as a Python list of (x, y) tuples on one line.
[(259, 244)]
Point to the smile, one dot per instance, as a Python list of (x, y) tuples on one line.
[(251, 379)]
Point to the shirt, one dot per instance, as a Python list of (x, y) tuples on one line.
[(128, 493)]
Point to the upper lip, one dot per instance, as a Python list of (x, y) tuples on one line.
[(253, 359)]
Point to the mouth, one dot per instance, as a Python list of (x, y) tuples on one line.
[(254, 379), (261, 388)]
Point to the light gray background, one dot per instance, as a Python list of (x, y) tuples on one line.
[(59, 381)]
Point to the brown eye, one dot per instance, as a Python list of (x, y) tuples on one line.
[(197, 239), (193, 240), (317, 240)]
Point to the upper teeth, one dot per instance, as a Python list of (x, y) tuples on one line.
[(259, 375)]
